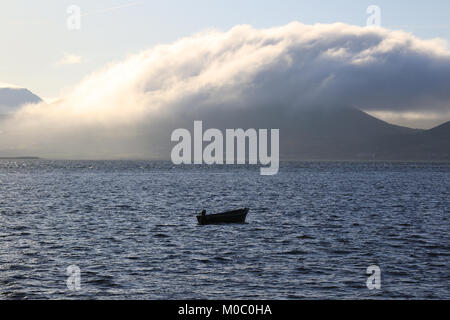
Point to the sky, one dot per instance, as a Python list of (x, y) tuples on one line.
[(43, 55)]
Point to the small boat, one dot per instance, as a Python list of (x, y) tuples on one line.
[(235, 216)]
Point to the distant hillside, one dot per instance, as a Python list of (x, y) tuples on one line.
[(440, 131), (432, 144), (11, 98), (350, 134), (316, 134)]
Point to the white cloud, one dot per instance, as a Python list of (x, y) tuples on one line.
[(419, 120), (243, 77), (70, 59), (9, 85)]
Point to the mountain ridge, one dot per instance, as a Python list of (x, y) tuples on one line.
[(351, 134), (326, 133), (13, 97)]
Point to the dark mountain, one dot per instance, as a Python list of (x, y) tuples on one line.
[(351, 134), (432, 144), (440, 131), (11, 98)]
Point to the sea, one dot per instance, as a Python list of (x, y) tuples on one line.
[(128, 230)]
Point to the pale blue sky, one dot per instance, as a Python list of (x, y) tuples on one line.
[(35, 37)]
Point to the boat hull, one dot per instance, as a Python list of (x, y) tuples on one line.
[(235, 216)]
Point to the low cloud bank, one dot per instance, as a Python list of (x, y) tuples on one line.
[(246, 77)]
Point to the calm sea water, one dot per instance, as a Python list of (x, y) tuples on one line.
[(311, 232)]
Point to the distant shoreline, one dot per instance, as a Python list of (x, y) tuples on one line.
[(19, 158), (355, 160), (306, 160)]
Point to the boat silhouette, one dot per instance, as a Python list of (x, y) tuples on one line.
[(234, 216)]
